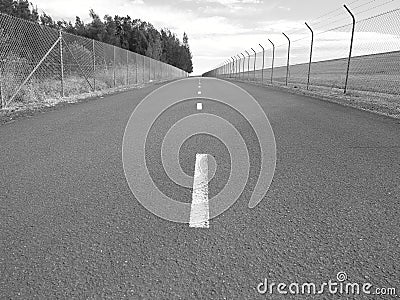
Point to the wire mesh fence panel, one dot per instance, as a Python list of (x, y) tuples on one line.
[(146, 61), (299, 60), (77, 64), (131, 68), (156, 71), (39, 63), (26, 47), (120, 66), (103, 74), (330, 57), (374, 65)]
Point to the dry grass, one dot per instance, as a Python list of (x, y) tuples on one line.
[(38, 90)]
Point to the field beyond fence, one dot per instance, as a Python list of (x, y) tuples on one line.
[(372, 68)]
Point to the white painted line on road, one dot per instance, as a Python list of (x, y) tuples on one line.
[(199, 106), (199, 212), (199, 92)]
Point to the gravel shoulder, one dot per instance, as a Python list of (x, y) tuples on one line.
[(378, 103)]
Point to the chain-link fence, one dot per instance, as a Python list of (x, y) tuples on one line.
[(38, 63), (374, 63)]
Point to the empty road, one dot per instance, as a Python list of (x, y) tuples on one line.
[(71, 228)]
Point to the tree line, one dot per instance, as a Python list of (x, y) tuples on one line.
[(132, 34)]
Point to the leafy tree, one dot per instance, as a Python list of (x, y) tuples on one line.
[(20, 9), (133, 34)]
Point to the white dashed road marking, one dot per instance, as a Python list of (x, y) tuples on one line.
[(199, 106), (199, 212)]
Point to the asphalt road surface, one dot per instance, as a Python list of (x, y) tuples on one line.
[(70, 227)]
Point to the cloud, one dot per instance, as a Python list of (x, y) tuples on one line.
[(217, 29)]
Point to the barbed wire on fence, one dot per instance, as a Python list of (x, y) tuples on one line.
[(38, 63)]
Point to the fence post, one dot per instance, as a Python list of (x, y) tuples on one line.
[(273, 58), (248, 65), (114, 66), (127, 67), (262, 69), (237, 66), (149, 59), (238, 56), (144, 68), (155, 70), (254, 69), (288, 57), (244, 59), (311, 50), (225, 68), (136, 68), (233, 67), (2, 104), (351, 47), (61, 64), (94, 65)]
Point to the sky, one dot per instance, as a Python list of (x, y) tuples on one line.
[(218, 29)]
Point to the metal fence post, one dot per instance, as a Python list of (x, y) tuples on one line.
[(236, 66), (255, 58), (288, 57), (273, 59), (238, 56), (2, 104), (233, 67), (351, 47), (155, 70), (114, 66), (136, 68), (262, 69), (311, 50), (61, 64), (94, 65), (144, 67), (244, 59), (149, 68), (127, 67), (248, 65), (224, 68)]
